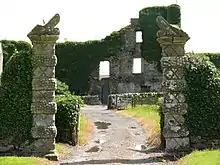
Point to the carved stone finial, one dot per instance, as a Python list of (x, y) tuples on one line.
[(47, 29), (168, 30)]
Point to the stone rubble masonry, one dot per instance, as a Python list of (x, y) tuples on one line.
[(172, 41), (125, 100), (91, 100), (43, 106), (122, 79)]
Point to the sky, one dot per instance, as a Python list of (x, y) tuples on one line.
[(83, 20)]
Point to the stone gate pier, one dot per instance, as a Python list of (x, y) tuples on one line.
[(43, 106), (172, 41)]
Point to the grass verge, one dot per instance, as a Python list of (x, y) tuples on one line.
[(85, 131), (148, 117), (14, 160), (206, 157)]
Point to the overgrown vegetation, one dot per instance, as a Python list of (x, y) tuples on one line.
[(77, 60), (202, 96), (206, 157), (15, 114), (150, 48), (16, 95), (67, 119), (148, 117)]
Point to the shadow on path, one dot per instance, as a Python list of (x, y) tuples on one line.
[(122, 161)]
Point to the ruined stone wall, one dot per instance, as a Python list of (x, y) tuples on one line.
[(124, 100), (122, 79)]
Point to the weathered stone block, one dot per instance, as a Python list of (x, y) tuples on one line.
[(177, 144), (174, 98), (175, 62), (43, 146), (173, 73), (179, 108), (44, 84), (44, 107), (44, 120), (174, 126), (173, 85), (40, 131), (45, 96), (46, 61)]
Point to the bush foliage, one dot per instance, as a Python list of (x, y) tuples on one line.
[(16, 95), (203, 97), (67, 116), (15, 114)]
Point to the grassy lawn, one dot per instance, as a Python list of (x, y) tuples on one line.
[(206, 157), (148, 117), (86, 128)]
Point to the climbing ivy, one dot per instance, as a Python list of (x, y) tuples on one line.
[(213, 57), (77, 60), (150, 48), (16, 96), (202, 96)]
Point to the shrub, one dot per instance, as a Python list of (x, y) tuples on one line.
[(214, 58), (15, 114), (202, 96), (67, 118), (62, 88), (10, 47)]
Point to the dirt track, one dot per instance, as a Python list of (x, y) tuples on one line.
[(116, 140)]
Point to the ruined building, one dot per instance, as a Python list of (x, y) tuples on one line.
[(122, 77)]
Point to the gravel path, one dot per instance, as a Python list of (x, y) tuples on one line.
[(117, 140)]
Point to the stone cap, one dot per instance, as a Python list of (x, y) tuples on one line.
[(168, 30), (47, 29)]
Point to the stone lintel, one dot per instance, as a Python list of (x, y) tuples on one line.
[(172, 40), (49, 39)]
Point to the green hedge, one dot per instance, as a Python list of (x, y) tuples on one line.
[(16, 95), (203, 97), (213, 57), (10, 47), (15, 114), (150, 48), (67, 118)]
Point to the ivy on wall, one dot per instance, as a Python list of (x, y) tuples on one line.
[(77, 60), (150, 48), (16, 92), (202, 96)]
